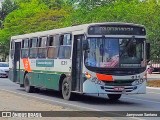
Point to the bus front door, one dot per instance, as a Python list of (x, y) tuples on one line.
[(16, 62), (77, 58)]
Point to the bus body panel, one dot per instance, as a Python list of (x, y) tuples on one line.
[(44, 75)]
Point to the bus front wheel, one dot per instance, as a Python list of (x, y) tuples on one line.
[(27, 86), (66, 88), (114, 97)]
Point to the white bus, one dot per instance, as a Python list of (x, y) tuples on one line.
[(97, 59)]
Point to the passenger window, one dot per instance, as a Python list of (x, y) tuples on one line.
[(25, 48), (65, 46), (42, 50), (53, 40), (33, 42), (33, 49), (42, 42), (24, 53), (25, 43), (52, 52), (53, 46), (33, 53), (65, 39), (65, 52)]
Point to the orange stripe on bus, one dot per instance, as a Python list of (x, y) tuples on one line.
[(26, 64), (104, 77)]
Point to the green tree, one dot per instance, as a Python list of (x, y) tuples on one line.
[(31, 16), (7, 7)]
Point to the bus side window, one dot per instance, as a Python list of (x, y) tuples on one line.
[(33, 42), (33, 47), (53, 45), (53, 40), (25, 48), (65, 52), (65, 46), (42, 50), (65, 39)]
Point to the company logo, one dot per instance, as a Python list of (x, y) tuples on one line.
[(6, 114)]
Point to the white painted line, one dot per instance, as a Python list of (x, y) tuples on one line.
[(153, 93), (142, 100), (92, 109), (156, 88)]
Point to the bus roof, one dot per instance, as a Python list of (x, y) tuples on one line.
[(82, 27)]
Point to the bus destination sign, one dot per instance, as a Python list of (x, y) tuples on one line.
[(116, 30)]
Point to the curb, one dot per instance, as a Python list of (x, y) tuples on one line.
[(156, 88)]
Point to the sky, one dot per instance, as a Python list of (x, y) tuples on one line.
[(0, 2)]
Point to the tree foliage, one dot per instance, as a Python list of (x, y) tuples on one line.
[(7, 7)]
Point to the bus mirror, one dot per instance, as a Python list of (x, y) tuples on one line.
[(85, 45), (148, 51)]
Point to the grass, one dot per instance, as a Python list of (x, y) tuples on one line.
[(153, 83)]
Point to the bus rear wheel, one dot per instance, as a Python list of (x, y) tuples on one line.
[(114, 97), (66, 89), (27, 86)]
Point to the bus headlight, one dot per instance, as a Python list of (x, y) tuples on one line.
[(87, 75)]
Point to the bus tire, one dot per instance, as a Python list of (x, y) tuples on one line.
[(27, 86), (114, 97), (66, 88)]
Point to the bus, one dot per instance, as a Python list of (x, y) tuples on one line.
[(97, 59)]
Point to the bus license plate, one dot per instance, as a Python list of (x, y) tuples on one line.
[(118, 88)]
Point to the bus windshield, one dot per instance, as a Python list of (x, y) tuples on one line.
[(114, 52)]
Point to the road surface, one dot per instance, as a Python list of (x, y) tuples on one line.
[(144, 102)]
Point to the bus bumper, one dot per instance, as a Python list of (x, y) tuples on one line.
[(90, 87)]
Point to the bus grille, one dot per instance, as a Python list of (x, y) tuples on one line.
[(112, 88)]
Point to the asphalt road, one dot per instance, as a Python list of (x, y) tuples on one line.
[(143, 102)]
